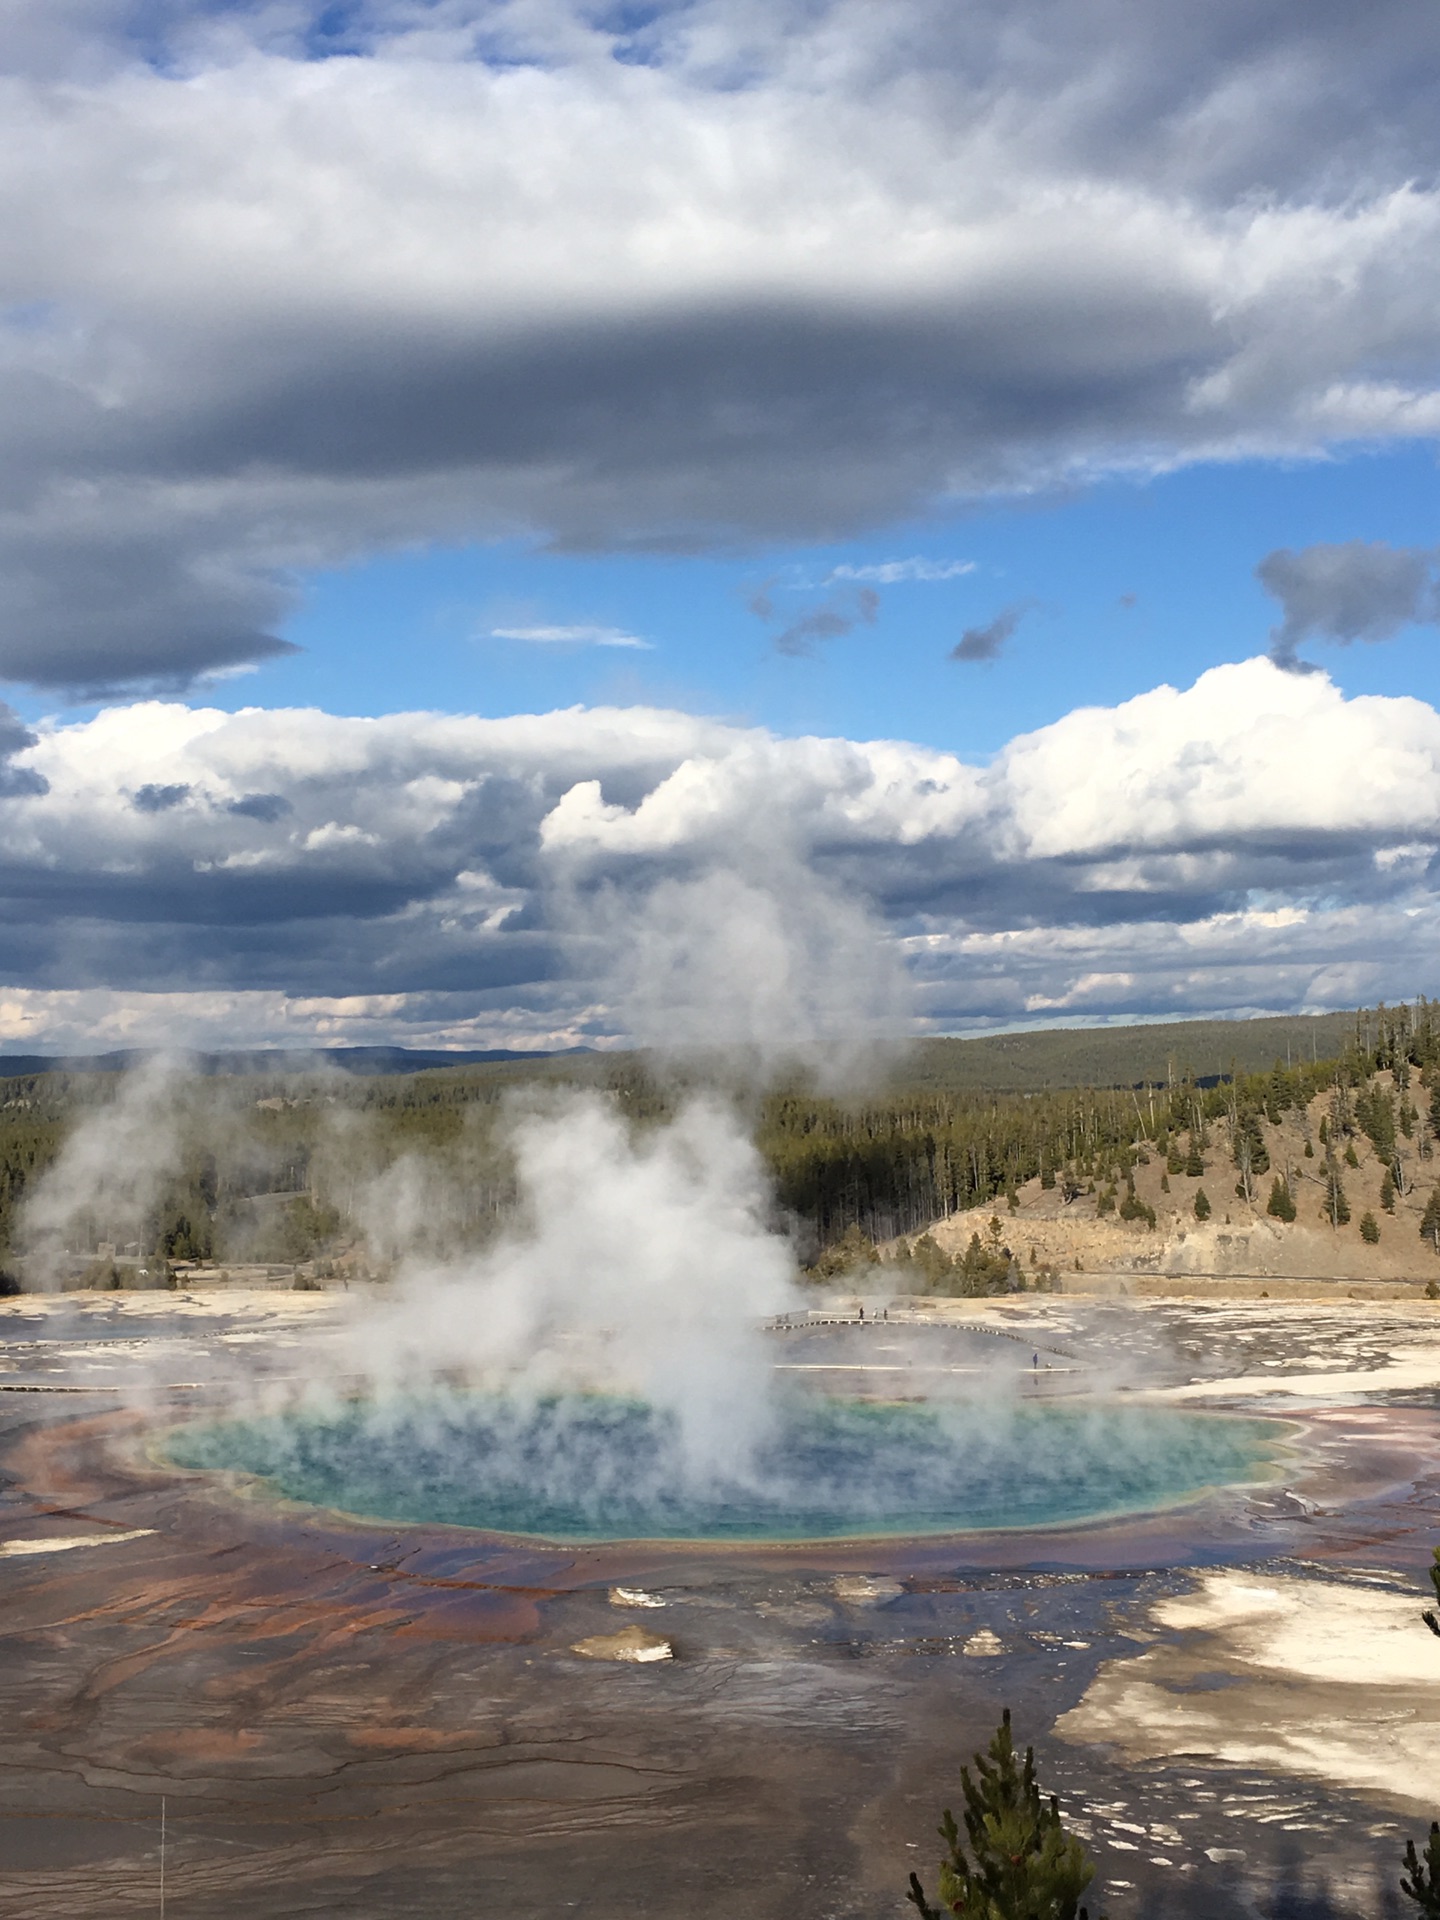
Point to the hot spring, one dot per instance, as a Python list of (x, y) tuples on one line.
[(589, 1467)]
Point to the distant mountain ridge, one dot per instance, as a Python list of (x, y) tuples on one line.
[(1030, 1060), (259, 1060), (1150, 1052)]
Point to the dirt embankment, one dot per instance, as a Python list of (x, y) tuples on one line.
[(1240, 1240)]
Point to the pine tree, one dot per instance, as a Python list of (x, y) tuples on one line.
[(1369, 1229), (1423, 1884), (1251, 1155), (1430, 1221), (1202, 1204), (1021, 1863), (1194, 1164), (1281, 1202), (1387, 1192), (1337, 1208)]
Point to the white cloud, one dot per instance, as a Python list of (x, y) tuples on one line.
[(891, 573), (572, 636), (1254, 840)]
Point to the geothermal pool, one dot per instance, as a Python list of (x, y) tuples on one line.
[(589, 1467)]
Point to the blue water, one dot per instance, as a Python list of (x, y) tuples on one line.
[(591, 1467)]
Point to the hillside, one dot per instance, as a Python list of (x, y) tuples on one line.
[(1133, 1056), (1241, 1237)]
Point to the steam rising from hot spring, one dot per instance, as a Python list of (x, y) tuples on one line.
[(639, 1262)]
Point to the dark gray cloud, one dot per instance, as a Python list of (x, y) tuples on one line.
[(838, 615), (153, 799), (237, 343), (17, 783), (261, 806), (1347, 591), (985, 643)]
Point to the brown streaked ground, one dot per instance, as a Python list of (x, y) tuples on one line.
[(346, 1717)]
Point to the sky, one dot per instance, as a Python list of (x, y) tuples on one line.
[(535, 524)]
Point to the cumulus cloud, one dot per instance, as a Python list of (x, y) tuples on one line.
[(286, 283), (1254, 840), (1347, 591), (986, 643)]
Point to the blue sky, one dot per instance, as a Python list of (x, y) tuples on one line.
[(1123, 583)]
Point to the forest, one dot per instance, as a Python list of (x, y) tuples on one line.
[(280, 1167)]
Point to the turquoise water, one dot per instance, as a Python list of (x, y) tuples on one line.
[(590, 1467)]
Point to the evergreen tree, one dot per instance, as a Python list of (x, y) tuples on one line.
[(1376, 1114), (936, 1266), (1281, 1202), (1423, 1884), (1194, 1164), (1202, 1204), (1351, 1158), (1369, 1229), (1021, 1864), (851, 1253), (1132, 1207), (1251, 1154), (1387, 1192), (1430, 1220), (1336, 1208)]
